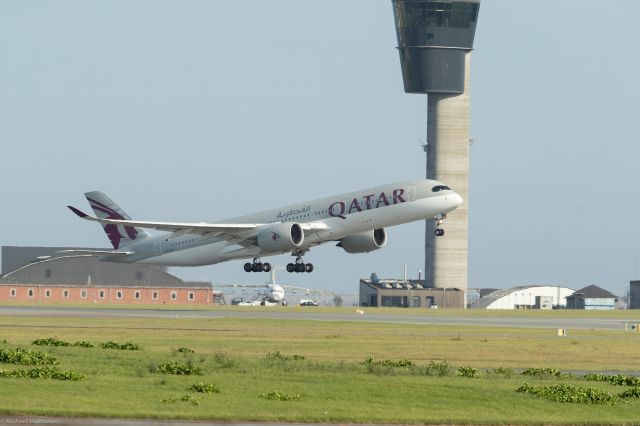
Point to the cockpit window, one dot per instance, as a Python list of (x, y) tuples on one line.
[(439, 188)]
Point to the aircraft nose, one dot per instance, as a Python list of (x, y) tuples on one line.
[(456, 200), (452, 201)]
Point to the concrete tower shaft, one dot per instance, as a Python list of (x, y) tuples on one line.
[(448, 161), (435, 38)]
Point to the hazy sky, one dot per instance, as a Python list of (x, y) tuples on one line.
[(203, 110)]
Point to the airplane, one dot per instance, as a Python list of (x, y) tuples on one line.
[(355, 220), (271, 294)]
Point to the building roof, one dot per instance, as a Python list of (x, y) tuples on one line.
[(594, 292), (488, 299), (89, 271)]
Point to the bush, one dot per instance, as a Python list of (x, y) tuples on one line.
[(468, 372), (128, 346), (186, 351), (388, 362), (276, 355), (223, 361), (281, 396), (179, 368), (184, 398), (26, 357), (618, 379), (546, 373), (52, 341), (570, 393), (439, 368), (42, 373), (502, 371), (204, 388), (631, 393)]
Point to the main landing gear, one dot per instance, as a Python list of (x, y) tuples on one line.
[(257, 266), (300, 266), (439, 218)]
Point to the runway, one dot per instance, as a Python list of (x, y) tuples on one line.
[(317, 314)]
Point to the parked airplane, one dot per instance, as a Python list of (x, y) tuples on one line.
[(356, 220), (270, 293)]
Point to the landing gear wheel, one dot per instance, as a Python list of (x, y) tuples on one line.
[(308, 267), (247, 267), (256, 267), (266, 267), (439, 232), (290, 267), (300, 267)]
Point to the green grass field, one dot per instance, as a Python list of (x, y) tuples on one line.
[(332, 381)]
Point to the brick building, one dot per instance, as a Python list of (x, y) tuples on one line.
[(44, 275)]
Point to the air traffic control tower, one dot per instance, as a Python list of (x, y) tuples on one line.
[(435, 39)]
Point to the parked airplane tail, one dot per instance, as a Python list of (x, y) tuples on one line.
[(105, 208)]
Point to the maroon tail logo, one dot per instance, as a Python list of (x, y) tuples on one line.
[(113, 231)]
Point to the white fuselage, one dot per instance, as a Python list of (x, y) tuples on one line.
[(326, 219)]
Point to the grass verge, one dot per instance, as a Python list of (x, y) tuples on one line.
[(306, 371)]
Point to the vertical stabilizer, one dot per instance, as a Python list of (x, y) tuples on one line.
[(105, 208)]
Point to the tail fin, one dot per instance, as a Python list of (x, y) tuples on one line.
[(119, 235)]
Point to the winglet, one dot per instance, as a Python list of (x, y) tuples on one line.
[(78, 212)]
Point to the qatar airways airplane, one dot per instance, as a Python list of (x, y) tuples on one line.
[(355, 220)]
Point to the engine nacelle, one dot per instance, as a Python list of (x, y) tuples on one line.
[(364, 242), (281, 237)]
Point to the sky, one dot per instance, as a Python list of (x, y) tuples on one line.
[(204, 110)]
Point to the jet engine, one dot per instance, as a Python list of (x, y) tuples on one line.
[(364, 242), (281, 237)]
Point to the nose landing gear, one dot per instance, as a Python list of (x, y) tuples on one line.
[(439, 218), (257, 266)]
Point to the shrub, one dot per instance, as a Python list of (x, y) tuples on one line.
[(186, 350), (179, 368), (502, 371), (468, 372), (570, 393), (128, 346), (618, 379), (631, 393), (51, 341), (26, 357), (43, 373), (439, 368), (184, 398), (388, 362), (281, 396), (204, 388), (546, 373), (223, 361), (276, 355)]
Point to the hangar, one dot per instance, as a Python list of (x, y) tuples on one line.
[(592, 297), (44, 275), (524, 297)]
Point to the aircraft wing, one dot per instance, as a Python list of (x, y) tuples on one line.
[(308, 290), (176, 227), (97, 252)]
